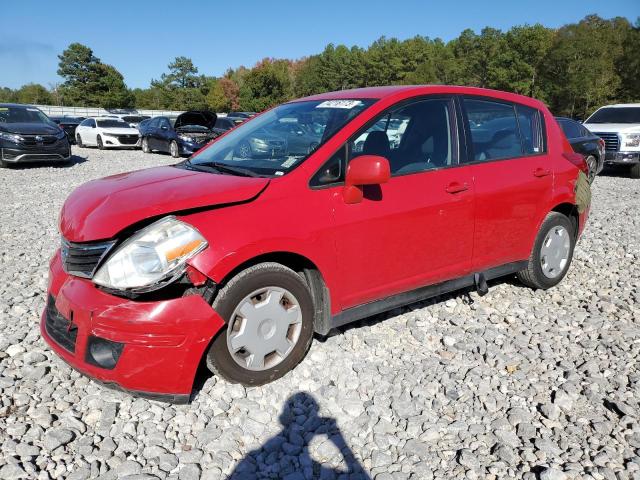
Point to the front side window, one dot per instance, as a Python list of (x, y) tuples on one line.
[(281, 139), (414, 137)]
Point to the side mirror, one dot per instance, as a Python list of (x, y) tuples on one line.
[(364, 170)]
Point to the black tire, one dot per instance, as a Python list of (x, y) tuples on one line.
[(219, 359), (79, 141), (99, 142), (145, 145), (4, 164), (634, 171), (532, 276), (174, 150)]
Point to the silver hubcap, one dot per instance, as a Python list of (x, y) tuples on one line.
[(145, 145), (592, 164), (554, 253), (174, 149), (264, 328)]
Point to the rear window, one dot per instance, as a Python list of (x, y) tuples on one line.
[(570, 128)]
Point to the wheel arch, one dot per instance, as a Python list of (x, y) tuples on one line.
[(570, 211), (305, 268)]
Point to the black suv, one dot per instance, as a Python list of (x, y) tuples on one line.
[(28, 135)]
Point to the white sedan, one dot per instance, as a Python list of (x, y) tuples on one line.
[(106, 132)]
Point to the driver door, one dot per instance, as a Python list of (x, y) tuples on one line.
[(417, 229)]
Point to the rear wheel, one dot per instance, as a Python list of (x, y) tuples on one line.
[(552, 253), (173, 149), (79, 141), (269, 314), (145, 145), (634, 171), (99, 142)]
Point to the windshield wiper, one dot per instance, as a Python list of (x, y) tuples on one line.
[(224, 168)]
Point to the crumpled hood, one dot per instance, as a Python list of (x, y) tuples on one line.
[(30, 128), (101, 208), (613, 127)]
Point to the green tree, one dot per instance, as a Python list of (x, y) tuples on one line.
[(7, 95), (182, 74), (266, 85), (34, 93), (90, 82)]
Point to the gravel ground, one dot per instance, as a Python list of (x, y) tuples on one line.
[(516, 384)]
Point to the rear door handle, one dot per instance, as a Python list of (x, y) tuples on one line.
[(456, 187), (541, 172)]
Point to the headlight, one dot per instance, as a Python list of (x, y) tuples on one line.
[(107, 134), (11, 137), (632, 140), (152, 257), (60, 135), (186, 138)]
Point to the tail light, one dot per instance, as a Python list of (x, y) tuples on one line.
[(601, 144), (578, 160)]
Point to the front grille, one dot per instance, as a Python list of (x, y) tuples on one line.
[(42, 139), (128, 139), (64, 332), (82, 259), (611, 141)]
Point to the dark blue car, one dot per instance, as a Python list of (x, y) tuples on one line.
[(185, 135)]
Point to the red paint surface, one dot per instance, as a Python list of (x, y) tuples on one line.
[(412, 231)]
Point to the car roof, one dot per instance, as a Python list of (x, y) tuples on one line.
[(415, 90), (621, 105), (17, 105)]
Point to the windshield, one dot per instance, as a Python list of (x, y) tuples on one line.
[(112, 124), (616, 115), (134, 118), (22, 115), (282, 138)]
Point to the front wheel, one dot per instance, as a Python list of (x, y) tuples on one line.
[(79, 141), (99, 142), (269, 314), (145, 145), (552, 253)]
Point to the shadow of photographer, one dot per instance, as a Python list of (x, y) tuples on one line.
[(286, 455)]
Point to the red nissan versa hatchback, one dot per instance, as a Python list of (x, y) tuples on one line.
[(319, 212)]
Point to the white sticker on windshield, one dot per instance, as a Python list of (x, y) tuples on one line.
[(339, 104), (278, 173), (289, 161)]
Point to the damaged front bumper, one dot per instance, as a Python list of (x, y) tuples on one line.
[(149, 348)]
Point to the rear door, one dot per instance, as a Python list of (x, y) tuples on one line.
[(513, 178), (417, 229)]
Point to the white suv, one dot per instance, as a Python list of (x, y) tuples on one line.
[(619, 127)]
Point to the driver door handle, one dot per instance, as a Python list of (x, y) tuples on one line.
[(456, 187)]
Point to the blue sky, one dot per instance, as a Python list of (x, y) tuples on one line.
[(140, 37)]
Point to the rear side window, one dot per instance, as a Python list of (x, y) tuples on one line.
[(530, 130), (503, 130)]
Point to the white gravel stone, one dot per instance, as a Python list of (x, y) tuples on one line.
[(500, 386)]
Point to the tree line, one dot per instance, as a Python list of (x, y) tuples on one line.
[(574, 69)]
